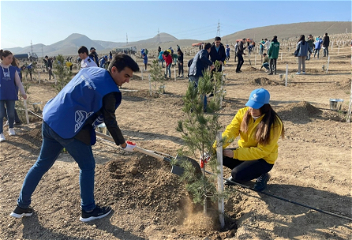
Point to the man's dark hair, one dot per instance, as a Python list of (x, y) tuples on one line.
[(120, 61), (217, 38), (83, 49), (207, 46)]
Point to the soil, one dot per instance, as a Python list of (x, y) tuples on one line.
[(149, 202)]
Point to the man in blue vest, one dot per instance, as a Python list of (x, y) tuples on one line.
[(69, 120)]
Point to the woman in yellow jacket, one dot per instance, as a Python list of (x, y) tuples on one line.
[(259, 128)]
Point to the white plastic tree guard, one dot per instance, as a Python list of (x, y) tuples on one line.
[(220, 178)]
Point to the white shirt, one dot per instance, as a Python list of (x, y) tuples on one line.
[(88, 62), (267, 44)]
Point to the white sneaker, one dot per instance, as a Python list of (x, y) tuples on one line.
[(298, 73), (2, 137), (11, 132), (6, 123)]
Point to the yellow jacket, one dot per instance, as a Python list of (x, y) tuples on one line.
[(248, 147)]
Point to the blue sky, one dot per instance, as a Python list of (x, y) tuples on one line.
[(48, 22)]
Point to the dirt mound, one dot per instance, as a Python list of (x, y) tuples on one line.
[(263, 81), (345, 84), (300, 111)]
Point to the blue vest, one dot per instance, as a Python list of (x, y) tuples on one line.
[(8, 89), (78, 100)]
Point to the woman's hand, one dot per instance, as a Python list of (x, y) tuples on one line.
[(24, 96), (228, 153)]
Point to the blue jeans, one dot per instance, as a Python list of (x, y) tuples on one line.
[(326, 51), (168, 69), (194, 80), (51, 148), (317, 51), (10, 107)]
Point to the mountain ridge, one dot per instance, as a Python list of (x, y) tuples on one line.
[(70, 45)]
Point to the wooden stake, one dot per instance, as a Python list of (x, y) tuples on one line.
[(150, 85), (349, 107), (286, 75), (26, 110), (327, 68), (142, 73), (220, 178)]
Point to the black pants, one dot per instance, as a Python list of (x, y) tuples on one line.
[(180, 69), (273, 65), (240, 62), (244, 171)]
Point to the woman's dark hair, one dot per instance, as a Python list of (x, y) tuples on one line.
[(180, 52), (207, 46), (4, 53), (302, 38), (270, 119), (274, 39), (166, 53), (120, 61), (15, 62)]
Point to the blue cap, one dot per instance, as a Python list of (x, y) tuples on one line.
[(258, 98)]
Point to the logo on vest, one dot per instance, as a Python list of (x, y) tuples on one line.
[(80, 117)]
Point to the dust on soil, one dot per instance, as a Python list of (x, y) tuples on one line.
[(149, 202)]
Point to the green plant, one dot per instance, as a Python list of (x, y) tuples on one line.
[(62, 73), (157, 77), (199, 132)]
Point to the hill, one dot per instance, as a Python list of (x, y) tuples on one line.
[(70, 45)]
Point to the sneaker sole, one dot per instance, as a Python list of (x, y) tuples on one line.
[(15, 215), (93, 218)]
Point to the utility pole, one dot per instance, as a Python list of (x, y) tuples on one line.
[(31, 48), (158, 38), (126, 39), (218, 29)]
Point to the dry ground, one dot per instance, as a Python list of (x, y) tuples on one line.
[(313, 168)]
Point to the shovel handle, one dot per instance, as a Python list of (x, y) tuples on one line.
[(150, 153)]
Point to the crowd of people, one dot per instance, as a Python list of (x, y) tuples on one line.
[(94, 94)]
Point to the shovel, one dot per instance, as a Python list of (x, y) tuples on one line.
[(176, 169)]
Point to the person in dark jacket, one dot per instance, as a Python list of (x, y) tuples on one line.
[(217, 53), (93, 55), (326, 42), (180, 63), (69, 119), (310, 42), (240, 52), (199, 64)]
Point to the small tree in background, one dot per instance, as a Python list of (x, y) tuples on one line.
[(199, 133), (62, 73), (157, 77)]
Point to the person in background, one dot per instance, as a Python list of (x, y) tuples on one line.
[(93, 55), (10, 83), (259, 128), (303, 49), (261, 47), (50, 66), (199, 64), (227, 50), (217, 53), (161, 59), (103, 61), (236, 49), (326, 42), (240, 52), (180, 63), (273, 54), (168, 60), (267, 45), (317, 44), (93, 95), (265, 62), (310, 42), (145, 61), (110, 56), (15, 64), (86, 61), (159, 50)]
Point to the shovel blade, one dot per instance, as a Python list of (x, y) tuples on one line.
[(177, 170)]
